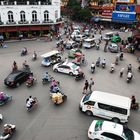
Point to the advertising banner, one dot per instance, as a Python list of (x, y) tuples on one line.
[(107, 12), (127, 16), (125, 1), (125, 8)]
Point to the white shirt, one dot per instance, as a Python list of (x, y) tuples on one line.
[(129, 75), (31, 100), (28, 104)]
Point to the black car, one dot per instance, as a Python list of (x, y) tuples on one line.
[(15, 78)]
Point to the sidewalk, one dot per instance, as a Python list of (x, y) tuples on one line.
[(22, 40)]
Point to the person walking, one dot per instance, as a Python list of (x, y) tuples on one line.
[(85, 87), (91, 83)]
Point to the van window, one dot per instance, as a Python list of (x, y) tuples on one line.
[(90, 103), (86, 97), (113, 108)]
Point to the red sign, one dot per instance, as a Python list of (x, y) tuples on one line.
[(107, 12)]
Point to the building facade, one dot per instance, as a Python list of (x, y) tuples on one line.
[(27, 18)]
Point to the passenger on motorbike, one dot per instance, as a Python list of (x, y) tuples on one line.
[(3, 96), (55, 89), (32, 101), (103, 62)]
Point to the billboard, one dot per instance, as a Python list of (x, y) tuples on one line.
[(125, 16), (125, 8), (125, 1)]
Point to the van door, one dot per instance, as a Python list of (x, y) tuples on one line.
[(89, 106)]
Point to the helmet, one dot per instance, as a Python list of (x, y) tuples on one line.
[(46, 72)]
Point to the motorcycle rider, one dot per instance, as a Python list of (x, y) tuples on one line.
[(129, 69), (25, 65), (46, 77), (2, 96), (117, 60), (28, 103), (24, 51), (34, 55), (121, 72), (7, 130), (98, 61), (121, 56), (32, 101), (112, 67), (14, 67)]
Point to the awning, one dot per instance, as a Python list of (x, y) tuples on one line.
[(124, 21), (106, 19)]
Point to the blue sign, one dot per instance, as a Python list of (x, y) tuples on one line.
[(125, 16), (125, 8)]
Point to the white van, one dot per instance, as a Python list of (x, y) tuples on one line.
[(108, 36), (106, 105), (88, 43)]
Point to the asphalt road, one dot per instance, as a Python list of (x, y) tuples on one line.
[(65, 122)]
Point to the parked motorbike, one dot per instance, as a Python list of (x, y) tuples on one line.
[(79, 76), (135, 106), (9, 130), (7, 98), (35, 103)]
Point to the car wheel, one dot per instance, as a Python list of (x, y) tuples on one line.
[(116, 120), (89, 113), (56, 70), (17, 84), (71, 74)]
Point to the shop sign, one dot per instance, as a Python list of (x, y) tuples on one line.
[(129, 16), (107, 12), (125, 8), (125, 1)]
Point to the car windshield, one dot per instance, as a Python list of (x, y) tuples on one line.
[(86, 97), (128, 134), (98, 125), (74, 66)]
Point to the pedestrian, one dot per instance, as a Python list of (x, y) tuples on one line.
[(85, 87), (91, 83)]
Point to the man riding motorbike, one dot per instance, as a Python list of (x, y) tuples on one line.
[(129, 76), (80, 75), (14, 67), (112, 67), (117, 60), (3, 97), (134, 104), (129, 69), (24, 51), (46, 77), (121, 56)]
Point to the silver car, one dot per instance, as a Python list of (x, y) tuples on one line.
[(113, 47)]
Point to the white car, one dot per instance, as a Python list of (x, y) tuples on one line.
[(67, 67), (113, 47), (105, 130)]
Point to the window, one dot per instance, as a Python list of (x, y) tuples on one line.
[(90, 103), (46, 16), (34, 16), (22, 16), (10, 16), (113, 108), (112, 136), (56, 14)]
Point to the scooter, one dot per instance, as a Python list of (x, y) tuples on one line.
[(129, 79), (6, 135), (46, 81), (112, 69), (80, 76), (92, 69), (35, 103), (103, 65), (8, 98), (135, 106)]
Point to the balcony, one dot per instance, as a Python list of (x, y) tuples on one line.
[(10, 23), (23, 22), (49, 21), (1, 23), (35, 22)]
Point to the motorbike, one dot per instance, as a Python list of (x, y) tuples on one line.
[(7, 98), (23, 53), (5, 135), (103, 65), (1, 117), (33, 104), (129, 79), (79, 76), (121, 56), (112, 69), (45, 81), (97, 63), (135, 106), (97, 46), (92, 69), (31, 82), (116, 62), (58, 98)]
